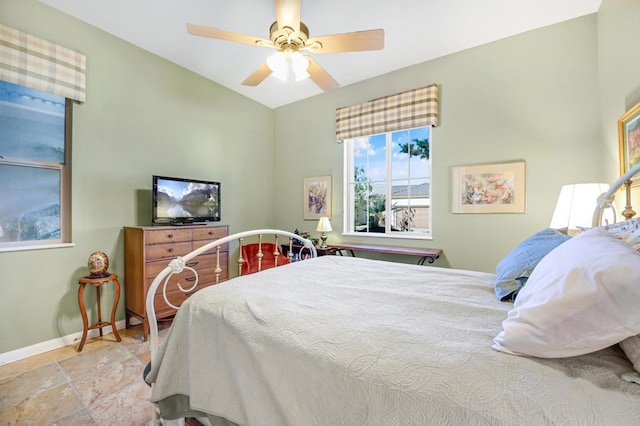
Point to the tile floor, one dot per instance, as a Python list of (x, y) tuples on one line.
[(102, 385)]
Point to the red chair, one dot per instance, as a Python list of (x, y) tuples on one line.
[(250, 256)]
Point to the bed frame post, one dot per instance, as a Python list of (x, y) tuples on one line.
[(240, 258), (290, 253), (628, 212), (276, 250), (218, 269), (259, 255)]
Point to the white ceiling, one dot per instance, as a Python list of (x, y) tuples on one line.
[(415, 31)]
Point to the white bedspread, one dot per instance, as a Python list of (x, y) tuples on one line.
[(349, 341)]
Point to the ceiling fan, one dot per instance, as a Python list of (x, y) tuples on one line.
[(289, 36)]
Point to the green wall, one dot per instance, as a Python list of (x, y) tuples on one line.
[(143, 116), (550, 97), (532, 97), (618, 32)]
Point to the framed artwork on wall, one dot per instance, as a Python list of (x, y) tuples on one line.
[(629, 140), (317, 197), (489, 188)]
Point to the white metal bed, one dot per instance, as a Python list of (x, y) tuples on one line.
[(326, 341)]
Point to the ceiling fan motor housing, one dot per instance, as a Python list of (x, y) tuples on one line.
[(287, 39)]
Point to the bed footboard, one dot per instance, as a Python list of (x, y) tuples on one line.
[(257, 250)]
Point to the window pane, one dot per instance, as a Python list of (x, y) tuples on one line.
[(30, 207), (410, 201), (360, 194), (369, 155), (32, 124), (411, 153)]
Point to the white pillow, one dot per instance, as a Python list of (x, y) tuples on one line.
[(582, 297)]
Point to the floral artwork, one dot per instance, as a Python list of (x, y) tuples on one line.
[(629, 138), (489, 188), (317, 197)]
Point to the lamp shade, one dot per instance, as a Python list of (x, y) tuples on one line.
[(576, 204), (324, 225)]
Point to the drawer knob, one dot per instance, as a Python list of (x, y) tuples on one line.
[(170, 250), (170, 236), (210, 232)]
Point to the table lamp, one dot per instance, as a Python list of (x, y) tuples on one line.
[(575, 206), (324, 226)]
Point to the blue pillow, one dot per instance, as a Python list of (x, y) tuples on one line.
[(512, 271)]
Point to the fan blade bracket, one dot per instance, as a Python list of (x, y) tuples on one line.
[(313, 46), (265, 43)]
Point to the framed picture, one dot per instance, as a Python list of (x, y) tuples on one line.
[(317, 197), (489, 188), (629, 140)]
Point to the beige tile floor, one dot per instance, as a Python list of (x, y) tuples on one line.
[(102, 385)]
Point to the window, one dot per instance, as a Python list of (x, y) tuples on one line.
[(34, 167), (388, 184)]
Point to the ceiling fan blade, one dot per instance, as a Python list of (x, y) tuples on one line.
[(320, 76), (349, 42), (257, 76), (288, 14), (204, 31)]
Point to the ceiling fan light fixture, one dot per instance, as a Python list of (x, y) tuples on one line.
[(299, 65), (288, 66)]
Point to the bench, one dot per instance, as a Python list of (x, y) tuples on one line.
[(426, 254)]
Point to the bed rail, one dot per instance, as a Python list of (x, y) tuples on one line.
[(605, 200), (181, 263)]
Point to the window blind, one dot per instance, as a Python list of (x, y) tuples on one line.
[(36, 63), (406, 110)]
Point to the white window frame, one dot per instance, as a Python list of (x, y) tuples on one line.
[(348, 196)]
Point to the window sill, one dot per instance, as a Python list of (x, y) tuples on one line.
[(35, 247)]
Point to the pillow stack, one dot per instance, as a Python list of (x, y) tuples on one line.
[(581, 297)]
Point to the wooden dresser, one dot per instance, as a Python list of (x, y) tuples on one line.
[(149, 249)]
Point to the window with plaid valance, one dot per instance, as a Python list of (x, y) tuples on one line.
[(406, 110), (38, 64)]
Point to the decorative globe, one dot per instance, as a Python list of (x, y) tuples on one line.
[(98, 264)]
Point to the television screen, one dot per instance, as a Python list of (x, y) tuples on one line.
[(179, 201)]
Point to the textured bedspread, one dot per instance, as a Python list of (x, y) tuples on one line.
[(349, 341)]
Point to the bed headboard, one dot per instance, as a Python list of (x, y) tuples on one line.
[(606, 199)]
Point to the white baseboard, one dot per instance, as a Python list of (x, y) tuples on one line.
[(52, 344)]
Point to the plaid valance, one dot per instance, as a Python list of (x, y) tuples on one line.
[(406, 110), (32, 62)]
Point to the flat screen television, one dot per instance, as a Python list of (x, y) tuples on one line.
[(179, 201)]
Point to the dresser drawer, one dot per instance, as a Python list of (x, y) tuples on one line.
[(186, 279), (176, 297), (159, 251), (206, 275), (199, 243), (161, 236), (209, 233), (198, 263)]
